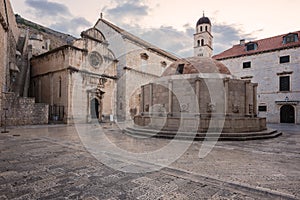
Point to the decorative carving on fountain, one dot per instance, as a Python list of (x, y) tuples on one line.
[(184, 107), (211, 107), (235, 108)]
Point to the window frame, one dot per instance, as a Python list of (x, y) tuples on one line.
[(180, 69), (250, 45), (282, 59), (282, 85), (245, 65), (290, 38), (263, 110), (202, 42)]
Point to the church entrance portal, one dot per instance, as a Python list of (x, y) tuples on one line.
[(95, 109), (287, 114)]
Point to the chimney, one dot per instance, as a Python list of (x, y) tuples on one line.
[(242, 42)]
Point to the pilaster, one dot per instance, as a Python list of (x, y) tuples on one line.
[(170, 109)]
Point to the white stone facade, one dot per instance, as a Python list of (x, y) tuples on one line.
[(266, 70), (203, 38)]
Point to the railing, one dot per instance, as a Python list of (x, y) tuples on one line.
[(56, 113)]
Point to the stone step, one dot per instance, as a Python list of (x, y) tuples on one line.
[(270, 133)]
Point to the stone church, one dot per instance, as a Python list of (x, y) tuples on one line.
[(98, 76)]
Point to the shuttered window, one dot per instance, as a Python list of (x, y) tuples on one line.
[(284, 83), (262, 108), (284, 59), (246, 65)]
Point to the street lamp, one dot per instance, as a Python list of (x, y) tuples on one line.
[(286, 99)]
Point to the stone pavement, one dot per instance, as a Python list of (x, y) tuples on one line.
[(51, 162)]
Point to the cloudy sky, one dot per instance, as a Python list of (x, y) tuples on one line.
[(169, 24)]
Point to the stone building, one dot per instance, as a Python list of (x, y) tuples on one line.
[(98, 76), (15, 110), (203, 38), (198, 98), (9, 34), (274, 64), (34, 40)]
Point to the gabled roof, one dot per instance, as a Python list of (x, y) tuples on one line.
[(264, 45), (141, 42)]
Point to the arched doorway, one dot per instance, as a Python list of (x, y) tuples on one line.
[(287, 114), (95, 108)]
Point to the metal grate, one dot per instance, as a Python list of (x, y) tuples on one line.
[(56, 113)]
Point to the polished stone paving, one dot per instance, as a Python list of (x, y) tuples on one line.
[(55, 162)]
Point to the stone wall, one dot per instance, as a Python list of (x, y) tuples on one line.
[(3, 61), (9, 34), (265, 70), (138, 65), (178, 95), (23, 111), (200, 124), (170, 103)]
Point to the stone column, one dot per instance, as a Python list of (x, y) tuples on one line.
[(226, 86), (170, 110), (151, 97), (51, 89), (255, 99), (39, 90), (143, 100), (88, 110), (247, 84), (198, 92)]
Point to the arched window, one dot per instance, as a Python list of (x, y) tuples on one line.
[(200, 28), (198, 43), (59, 87), (205, 28), (202, 42)]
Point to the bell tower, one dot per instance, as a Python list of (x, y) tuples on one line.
[(203, 38)]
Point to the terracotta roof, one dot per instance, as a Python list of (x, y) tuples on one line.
[(135, 39), (196, 65), (263, 45)]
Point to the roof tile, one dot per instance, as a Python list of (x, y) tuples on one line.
[(263, 45)]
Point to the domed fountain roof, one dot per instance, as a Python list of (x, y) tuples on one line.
[(196, 65)]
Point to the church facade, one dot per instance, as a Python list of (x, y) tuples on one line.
[(98, 76), (275, 65)]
